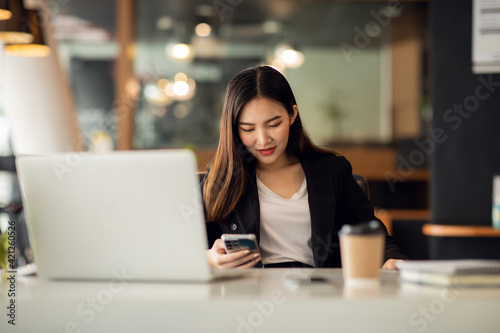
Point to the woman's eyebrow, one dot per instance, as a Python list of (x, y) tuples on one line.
[(267, 121)]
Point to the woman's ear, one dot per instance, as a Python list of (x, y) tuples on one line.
[(295, 113)]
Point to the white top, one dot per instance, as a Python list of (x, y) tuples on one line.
[(285, 226)]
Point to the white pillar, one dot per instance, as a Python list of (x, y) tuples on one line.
[(39, 104)]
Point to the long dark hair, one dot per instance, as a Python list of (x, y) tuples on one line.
[(227, 179)]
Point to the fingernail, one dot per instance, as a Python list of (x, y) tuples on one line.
[(255, 255), (247, 251), (257, 260)]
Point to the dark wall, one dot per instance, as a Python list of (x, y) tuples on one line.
[(466, 121), (93, 84)]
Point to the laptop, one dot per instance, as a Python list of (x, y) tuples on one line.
[(135, 215)]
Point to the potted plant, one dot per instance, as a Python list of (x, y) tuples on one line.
[(4, 246), (336, 113)]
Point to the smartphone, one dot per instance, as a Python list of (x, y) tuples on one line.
[(237, 242)]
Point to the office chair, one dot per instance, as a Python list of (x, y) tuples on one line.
[(363, 183)]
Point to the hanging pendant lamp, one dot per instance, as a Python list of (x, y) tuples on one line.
[(38, 47), (5, 13), (15, 30)]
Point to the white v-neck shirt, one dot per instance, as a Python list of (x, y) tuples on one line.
[(285, 226)]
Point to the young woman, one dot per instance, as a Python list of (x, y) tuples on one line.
[(267, 178)]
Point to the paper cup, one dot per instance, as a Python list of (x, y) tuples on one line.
[(362, 250)]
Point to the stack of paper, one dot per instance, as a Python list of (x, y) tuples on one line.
[(462, 272)]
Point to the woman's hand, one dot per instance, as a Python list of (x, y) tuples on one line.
[(391, 264), (218, 258)]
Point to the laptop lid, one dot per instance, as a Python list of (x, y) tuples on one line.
[(135, 214)]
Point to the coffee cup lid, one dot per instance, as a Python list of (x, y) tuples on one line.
[(365, 228)]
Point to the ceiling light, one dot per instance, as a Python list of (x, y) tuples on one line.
[(162, 83), (290, 57), (182, 89), (181, 77), (203, 30), (179, 51)]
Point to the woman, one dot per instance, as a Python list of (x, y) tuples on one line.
[(269, 179)]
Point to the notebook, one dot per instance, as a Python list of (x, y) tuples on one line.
[(137, 215), (458, 272)]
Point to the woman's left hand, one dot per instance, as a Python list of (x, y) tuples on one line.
[(391, 264)]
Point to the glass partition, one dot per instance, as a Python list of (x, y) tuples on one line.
[(336, 55)]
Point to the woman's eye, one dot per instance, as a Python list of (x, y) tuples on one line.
[(247, 130), (275, 125)]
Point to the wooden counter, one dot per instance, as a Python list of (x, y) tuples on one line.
[(439, 230)]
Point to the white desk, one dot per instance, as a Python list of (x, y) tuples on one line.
[(262, 302)]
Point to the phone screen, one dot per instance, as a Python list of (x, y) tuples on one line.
[(240, 244), (234, 243)]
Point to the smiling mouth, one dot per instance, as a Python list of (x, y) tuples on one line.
[(267, 151)]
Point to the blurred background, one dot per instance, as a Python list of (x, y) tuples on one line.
[(151, 74), (342, 59), (388, 84), (359, 70)]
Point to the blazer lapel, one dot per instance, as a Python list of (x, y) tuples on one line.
[(248, 213), (321, 195)]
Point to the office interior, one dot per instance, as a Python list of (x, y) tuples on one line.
[(374, 80)]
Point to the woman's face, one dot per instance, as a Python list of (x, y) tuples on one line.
[(264, 126)]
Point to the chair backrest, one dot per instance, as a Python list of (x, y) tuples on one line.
[(363, 183)]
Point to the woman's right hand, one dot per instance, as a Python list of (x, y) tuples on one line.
[(218, 258)]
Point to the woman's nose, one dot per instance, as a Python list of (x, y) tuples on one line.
[(262, 138)]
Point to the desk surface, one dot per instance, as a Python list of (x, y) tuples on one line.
[(267, 300)]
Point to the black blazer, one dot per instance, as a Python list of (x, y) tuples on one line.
[(335, 199)]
